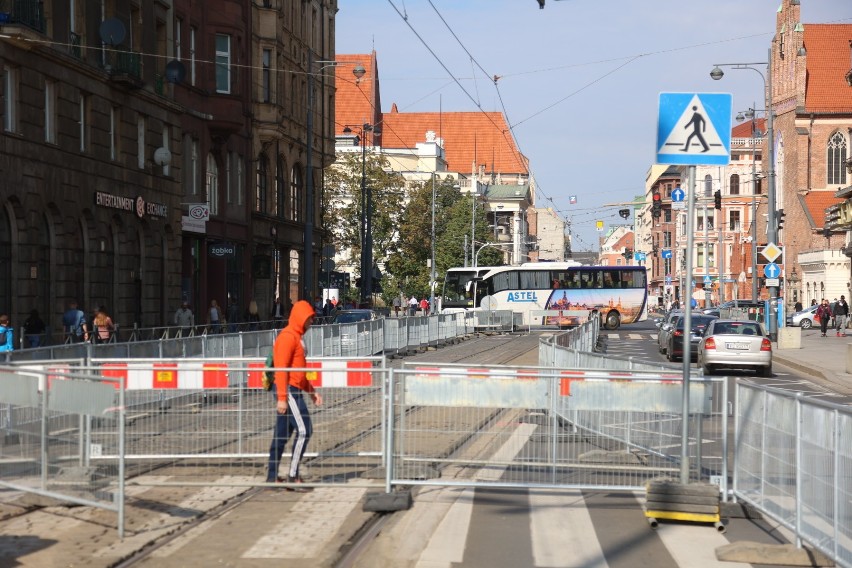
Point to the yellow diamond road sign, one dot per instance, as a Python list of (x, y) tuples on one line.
[(771, 252)]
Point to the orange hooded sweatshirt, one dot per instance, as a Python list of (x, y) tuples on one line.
[(289, 351)]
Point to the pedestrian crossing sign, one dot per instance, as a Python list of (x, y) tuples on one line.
[(694, 129)]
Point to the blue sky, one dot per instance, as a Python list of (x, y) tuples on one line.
[(579, 80)]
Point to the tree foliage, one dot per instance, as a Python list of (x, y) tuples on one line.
[(343, 201)]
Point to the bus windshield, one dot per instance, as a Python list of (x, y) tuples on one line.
[(458, 291)]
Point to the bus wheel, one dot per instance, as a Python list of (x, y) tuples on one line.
[(613, 320)]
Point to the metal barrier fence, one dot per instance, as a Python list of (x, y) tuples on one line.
[(793, 461), (51, 420), (539, 427), (360, 339)]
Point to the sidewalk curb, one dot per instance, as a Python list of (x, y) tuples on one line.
[(843, 387)]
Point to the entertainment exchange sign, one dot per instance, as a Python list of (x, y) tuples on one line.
[(130, 204)]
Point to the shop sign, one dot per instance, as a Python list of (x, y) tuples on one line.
[(188, 224), (222, 250), (130, 204)]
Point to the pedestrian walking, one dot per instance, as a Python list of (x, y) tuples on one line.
[(253, 316), (214, 317), (397, 303), (824, 314), (424, 306), (797, 307), (74, 322), (289, 389), (841, 311), (412, 306), (34, 329), (7, 335), (277, 314), (233, 317), (184, 319), (103, 326)]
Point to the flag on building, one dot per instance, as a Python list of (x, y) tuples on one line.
[(572, 199)]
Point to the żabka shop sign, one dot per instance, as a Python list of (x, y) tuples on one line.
[(130, 204), (222, 250)]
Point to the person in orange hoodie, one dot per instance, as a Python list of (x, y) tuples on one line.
[(289, 390)]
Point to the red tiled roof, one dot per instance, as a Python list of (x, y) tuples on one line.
[(817, 202), (744, 130), (626, 241), (469, 138), (356, 101), (828, 61)]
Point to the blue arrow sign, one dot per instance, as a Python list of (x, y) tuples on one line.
[(667, 253), (694, 129), (771, 270), (668, 280), (678, 195)]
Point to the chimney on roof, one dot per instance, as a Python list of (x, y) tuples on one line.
[(393, 108)]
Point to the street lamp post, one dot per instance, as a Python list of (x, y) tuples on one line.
[(308, 280), (750, 114), (772, 221), (432, 264)]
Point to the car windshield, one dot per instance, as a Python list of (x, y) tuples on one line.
[(350, 317), (737, 328)]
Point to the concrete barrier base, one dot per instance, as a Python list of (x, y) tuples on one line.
[(780, 554), (790, 338)]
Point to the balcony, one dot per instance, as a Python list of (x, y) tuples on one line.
[(28, 13), (124, 67)]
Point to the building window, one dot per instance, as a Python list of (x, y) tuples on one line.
[(84, 123), (735, 184), (229, 180), (667, 215), (167, 144), (758, 186), (734, 220), (240, 189), (114, 121), (140, 142), (178, 43), (212, 183), (837, 159), (280, 188), (295, 200), (667, 239), (223, 63), (10, 100), (266, 76), (261, 184), (50, 112), (190, 149), (192, 33)]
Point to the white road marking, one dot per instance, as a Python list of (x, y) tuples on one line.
[(694, 545), (561, 522), (321, 512), (448, 541)]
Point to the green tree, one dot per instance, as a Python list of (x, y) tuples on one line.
[(342, 202)]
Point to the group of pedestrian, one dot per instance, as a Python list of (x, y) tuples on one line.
[(840, 312)]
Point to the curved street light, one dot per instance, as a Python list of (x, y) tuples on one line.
[(772, 225)]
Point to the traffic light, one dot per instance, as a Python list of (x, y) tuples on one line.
[(656, 204), (717, 197), (779, 216), (628, 253)]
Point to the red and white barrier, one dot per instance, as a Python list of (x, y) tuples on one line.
[(197, 375)]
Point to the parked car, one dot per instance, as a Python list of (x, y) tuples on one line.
[(665, 327), (807, 317), (735, 344), (352, 336), (351, 316), (675, 345)]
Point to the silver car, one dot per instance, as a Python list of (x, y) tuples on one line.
[(735, 344)]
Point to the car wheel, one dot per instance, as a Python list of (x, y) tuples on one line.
[(766, 372), (806, 323), (613, 320)]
